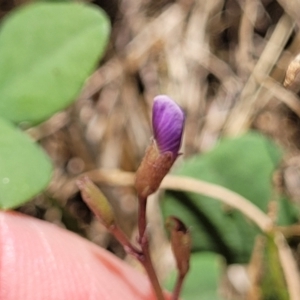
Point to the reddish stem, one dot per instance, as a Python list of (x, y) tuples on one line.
[(178, 287), (143, 255), (142, 219), (144, 243), (124, 241)]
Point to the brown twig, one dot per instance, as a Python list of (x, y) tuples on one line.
[(144, 243), (178, 287), (148, 265)]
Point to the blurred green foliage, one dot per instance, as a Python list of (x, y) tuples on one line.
[(47, 51), (244, 165), (203, 278)]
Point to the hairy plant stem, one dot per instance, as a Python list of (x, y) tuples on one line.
[(142, 219), (144, 243), (143, 254), (178, 286), (124, 241)]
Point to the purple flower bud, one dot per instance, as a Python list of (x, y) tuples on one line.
[(168, 122)]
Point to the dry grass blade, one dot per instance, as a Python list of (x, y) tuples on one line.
[(292, 8), (244, 111), (162, 27), (187, 184), (289, 267), (137, 50), (222, 194), (287, 97)]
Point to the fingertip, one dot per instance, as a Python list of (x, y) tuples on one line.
[(41, 261)]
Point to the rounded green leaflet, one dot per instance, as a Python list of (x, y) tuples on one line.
[(25, 170), (245, 165), (47, 51)]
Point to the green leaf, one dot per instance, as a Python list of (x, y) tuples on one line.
[(25, 169), (47, 50), (202, 280), (244, 165)]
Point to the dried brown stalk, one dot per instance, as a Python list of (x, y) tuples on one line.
[(250, 101), (180, 183)]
